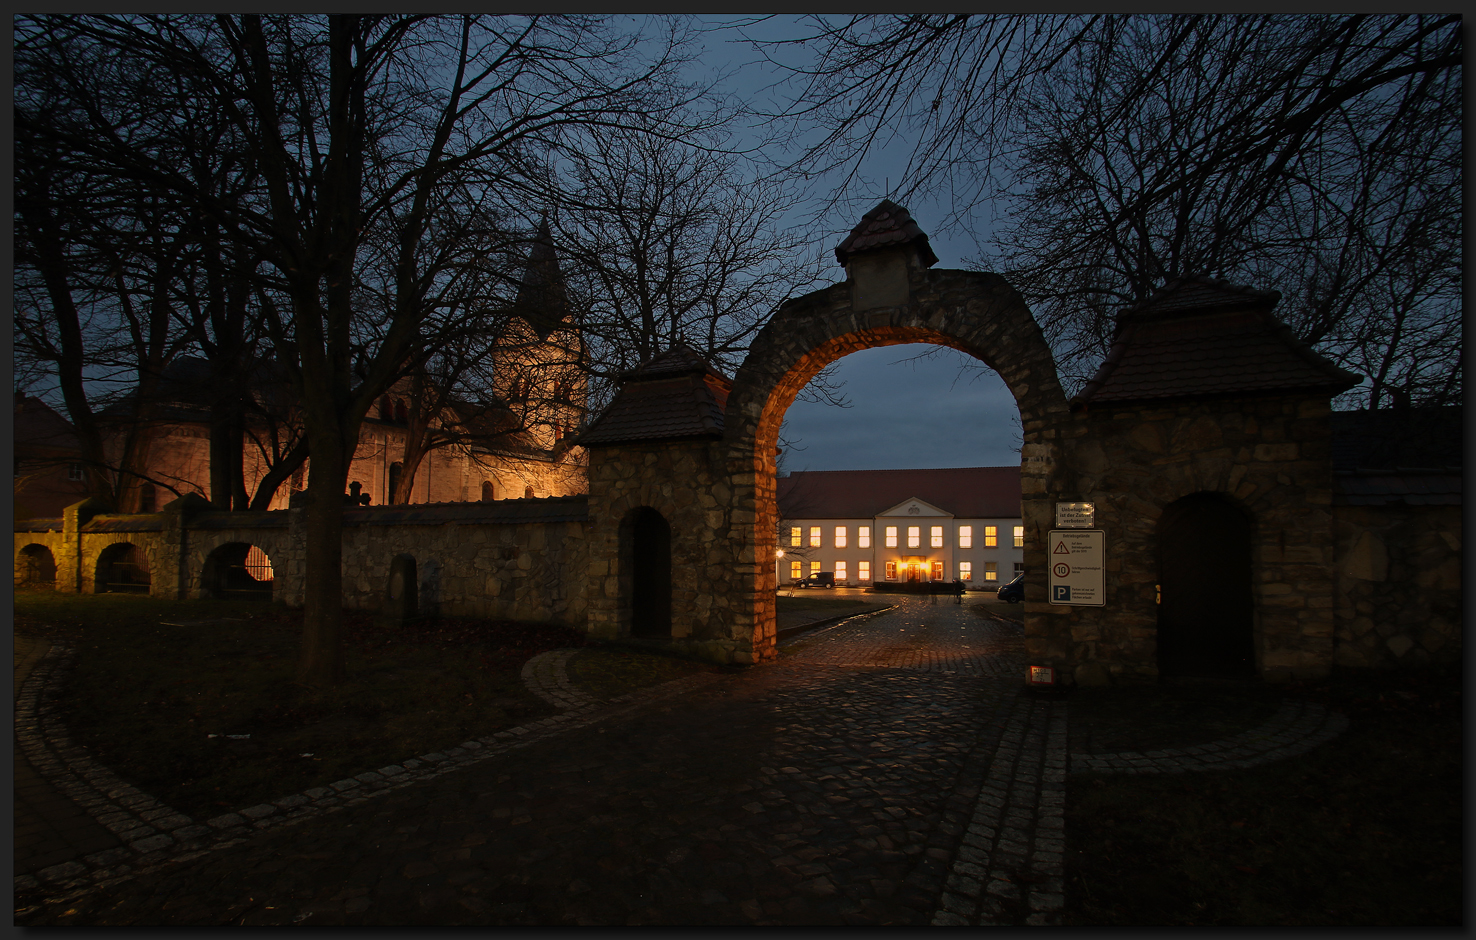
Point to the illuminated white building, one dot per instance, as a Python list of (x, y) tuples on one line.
[(901, 525)]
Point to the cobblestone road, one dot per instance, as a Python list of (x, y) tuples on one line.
[(887, 770)]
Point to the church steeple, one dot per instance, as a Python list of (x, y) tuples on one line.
[(542, 299)]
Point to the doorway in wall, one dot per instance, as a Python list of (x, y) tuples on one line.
[(650, 601), (1206, 610)]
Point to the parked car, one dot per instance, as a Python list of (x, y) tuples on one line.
[(1014, 592), (821, 579)]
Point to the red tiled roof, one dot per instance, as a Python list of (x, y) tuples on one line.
[(967, 492), (675, 395), (1198, 337), (886, 225), (37, 424)]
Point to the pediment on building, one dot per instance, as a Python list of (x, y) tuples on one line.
[(913, 508)]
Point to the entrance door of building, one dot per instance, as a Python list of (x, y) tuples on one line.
[(650, 600), (1205, 606)]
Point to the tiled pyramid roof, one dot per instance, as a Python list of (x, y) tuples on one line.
[(967, 492), (887, 225), (1198, 337), (675, 395)]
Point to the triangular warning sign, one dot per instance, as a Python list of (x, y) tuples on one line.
[(1061, 549)]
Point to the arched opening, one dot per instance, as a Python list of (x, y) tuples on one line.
[(645, 561), (489, 492), (37, 566), (978, 314), (237, 570), (122, 569), (396, 473), (528, 492), (1206, 608)]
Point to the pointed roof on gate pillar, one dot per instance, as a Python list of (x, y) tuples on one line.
[(1199, 337), (887, 226), (674, 395)]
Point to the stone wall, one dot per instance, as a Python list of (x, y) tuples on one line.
[(509, 559), (1398, 601), (687, 482), (1267, 454)]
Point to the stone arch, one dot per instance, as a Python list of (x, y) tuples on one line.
[(1206, 613), (645, 574), (489, 492), (976, 313), (237, 570), (122, 568), (35, 565)]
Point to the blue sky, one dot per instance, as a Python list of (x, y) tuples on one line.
[(945, 411)]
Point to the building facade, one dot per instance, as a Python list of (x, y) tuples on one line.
[(879, 526)]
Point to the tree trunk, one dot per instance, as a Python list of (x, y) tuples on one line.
[(320, 662)]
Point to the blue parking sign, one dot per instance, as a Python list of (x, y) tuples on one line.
[(1061, 592)]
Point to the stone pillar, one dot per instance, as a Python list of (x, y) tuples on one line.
[(70, 576)]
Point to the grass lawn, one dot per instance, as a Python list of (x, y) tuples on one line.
[(1365, 830), (158, 687)]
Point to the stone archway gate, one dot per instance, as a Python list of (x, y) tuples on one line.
[(1203, 391)]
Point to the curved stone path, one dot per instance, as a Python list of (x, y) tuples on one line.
[(995, 851)]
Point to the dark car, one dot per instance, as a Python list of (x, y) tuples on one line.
[(1014, 592), (822, 579)]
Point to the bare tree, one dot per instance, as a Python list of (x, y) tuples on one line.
[(1317, 154), (676, 242), (355, 124)]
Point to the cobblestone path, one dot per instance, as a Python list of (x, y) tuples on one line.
[(883, 772)]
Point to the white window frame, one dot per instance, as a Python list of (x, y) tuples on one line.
[(840, 536), (965, 536), (815, 537), (840, 571), (991, 571), (914, 536), (991, 536), (935, 536), (863, 570), (796, 536), (965, 571), (863, 536), (891, 571), (1019, 536), (891, 536)]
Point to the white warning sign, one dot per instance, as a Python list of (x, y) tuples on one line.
[(1078, 558)]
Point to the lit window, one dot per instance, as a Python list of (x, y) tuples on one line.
[(814, 567), (935, 536), (814, 536), (863, 571), (74, 471), (891, 538), (991, 571), (840, 571), (863, 536), (891, 571), (966, 571), (914, 536), (965, 536), (991, 537), (1019, 536), (840, 536), (796, 570), (937, 571), (794, 536)]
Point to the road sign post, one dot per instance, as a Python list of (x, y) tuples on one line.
[(1076, 566)]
